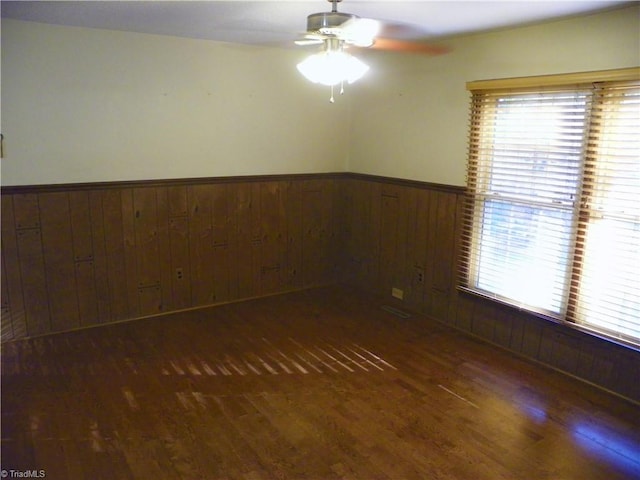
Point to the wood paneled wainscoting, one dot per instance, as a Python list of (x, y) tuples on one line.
[(80, 255)]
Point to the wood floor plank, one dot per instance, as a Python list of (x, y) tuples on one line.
[(319, 384)]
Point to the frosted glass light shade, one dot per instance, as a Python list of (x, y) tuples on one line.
[(332, 67)]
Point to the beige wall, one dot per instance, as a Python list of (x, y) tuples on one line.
[(410, 116), (82, 105)]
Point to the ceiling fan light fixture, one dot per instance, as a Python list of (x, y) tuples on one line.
[(332, 66)]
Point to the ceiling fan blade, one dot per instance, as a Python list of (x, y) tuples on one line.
[(360, 31), (393, 36), (394, 45), (402, 31)]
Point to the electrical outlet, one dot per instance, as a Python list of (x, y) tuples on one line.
[(397, 293)]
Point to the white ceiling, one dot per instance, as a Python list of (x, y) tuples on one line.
[(279, 22)]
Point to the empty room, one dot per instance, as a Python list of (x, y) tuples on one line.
[(320, 240)]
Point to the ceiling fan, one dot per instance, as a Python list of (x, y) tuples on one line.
[(337, 31), (355, 31)]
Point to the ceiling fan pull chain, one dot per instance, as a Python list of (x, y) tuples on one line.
[(331, 100), (342, 87)]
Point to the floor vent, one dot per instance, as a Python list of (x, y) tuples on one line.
[(396, 312)]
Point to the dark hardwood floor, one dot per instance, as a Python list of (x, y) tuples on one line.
[(319, 384)]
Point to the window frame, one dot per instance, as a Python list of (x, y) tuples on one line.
[(468, 265)]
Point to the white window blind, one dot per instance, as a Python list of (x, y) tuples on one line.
[(552, 220), (606, 294)]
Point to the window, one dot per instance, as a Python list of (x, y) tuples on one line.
[(552, 222)]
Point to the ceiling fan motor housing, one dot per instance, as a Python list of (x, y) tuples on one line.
[(327, 23)]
